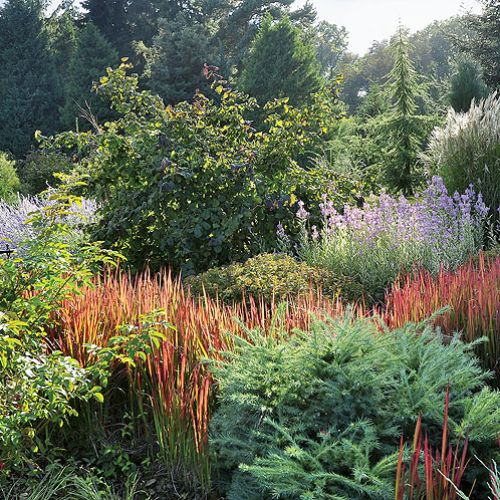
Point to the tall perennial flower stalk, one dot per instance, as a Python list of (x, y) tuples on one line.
[(375, 243)]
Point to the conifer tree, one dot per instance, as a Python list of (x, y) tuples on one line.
[(174, 64), (403, 121), (92, 56), (29, 87), (281, 63), (467, 84), (110, 17), (63, 37)]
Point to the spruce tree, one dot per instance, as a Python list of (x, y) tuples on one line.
[(92, 56), (174, 64), (466, 84), (110, 17), (403, 121), (29, 86), (281, 63)]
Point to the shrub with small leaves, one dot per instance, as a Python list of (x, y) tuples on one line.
[(268, 276)]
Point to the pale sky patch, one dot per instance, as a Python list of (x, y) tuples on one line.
[(369, 20)]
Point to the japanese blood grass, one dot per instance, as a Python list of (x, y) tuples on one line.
[(472, 293), (173, 387), (443, 469)]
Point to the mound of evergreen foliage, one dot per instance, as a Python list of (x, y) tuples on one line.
[(320, 415)]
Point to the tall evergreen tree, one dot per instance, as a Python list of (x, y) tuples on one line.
[(29, 87), (174, 64), (281, 63), (92, 56), (403, 121), (110, 17), (63, 38), (239, 21), (467, 84)]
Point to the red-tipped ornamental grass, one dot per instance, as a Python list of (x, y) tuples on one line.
[(443, 469), (472, 293), (176, 383)]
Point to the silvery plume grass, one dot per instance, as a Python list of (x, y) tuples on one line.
[(375, 243), (467, 149)]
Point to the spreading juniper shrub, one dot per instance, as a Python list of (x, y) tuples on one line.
[(321, 414)]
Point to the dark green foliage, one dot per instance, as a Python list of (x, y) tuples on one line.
[(38, 170), (110, 17), (238, 22), (481, 41), (320, 415), (403, 122), (281, 63), (29, 88), (375, 102), (467, 84), (268, 276), (92, 55), (63, 38), (175, 62), (195, 186)]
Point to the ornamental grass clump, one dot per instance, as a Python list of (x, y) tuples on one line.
[(375, 243), (173, 388), (472, 292), (467, 149)]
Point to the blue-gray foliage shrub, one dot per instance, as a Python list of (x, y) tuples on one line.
[(320, 414)]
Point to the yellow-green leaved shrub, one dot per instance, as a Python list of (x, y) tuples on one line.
[(268, 275)]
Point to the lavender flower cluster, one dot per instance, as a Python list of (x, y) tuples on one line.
[(376, 242), (15, 226)]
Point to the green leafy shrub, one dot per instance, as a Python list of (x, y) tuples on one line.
[(195, 186), (39, 170), (38, 386), (9, 181), (267, 276), (320, 415)]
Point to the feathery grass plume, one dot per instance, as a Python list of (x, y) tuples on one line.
[(467, 150)]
